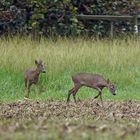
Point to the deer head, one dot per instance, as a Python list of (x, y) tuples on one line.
[(111, 87), (40, 66)]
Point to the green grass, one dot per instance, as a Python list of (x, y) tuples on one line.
[(116, 59)]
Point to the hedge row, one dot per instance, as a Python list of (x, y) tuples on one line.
[(58, 17)]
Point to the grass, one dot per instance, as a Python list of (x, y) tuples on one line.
[(116, 59)]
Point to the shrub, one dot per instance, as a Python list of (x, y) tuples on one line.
[(58, 17)]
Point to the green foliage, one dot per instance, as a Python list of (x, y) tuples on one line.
[(58, 17)]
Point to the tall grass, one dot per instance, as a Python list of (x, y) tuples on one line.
[(118, 60)]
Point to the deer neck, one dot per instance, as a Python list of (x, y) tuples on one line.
[(37, 72)]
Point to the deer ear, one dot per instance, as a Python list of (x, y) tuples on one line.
[(108, 81), (36, 62)]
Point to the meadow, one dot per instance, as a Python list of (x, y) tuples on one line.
[(46, 114), (117, 60)]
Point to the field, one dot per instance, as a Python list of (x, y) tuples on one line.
[(46, 114), (57, 120)]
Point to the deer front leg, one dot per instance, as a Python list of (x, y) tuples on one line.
[(99, 92), (97, 96), (28, 89)]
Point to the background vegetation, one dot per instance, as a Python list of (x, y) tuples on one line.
[(58, 17)]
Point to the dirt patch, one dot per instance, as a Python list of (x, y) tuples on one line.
[(59, 109)]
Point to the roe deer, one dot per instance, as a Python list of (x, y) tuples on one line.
[(94, 81), (32, 76)]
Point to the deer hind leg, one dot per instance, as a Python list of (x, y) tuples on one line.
[(73, 91), (69, 93), (77, 87)]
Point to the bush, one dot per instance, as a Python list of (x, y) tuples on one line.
[(58, 17)]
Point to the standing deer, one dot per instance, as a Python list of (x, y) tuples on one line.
[(94, 81), (32, 76)]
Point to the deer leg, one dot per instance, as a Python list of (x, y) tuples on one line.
[(74, 97), (97, 96), (69, 93), (28, 89), (100, 92), (68, 99), (75, 91)]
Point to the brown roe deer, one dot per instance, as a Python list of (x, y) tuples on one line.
[(94, 81), (31, 76)]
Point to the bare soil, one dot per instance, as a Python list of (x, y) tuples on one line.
[(60, 109), (85, 119)]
